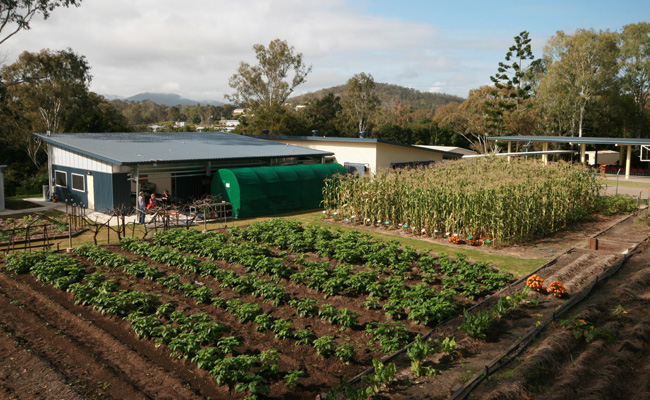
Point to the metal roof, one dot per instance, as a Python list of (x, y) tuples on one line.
[(356, 140), (576, 140), (147, 147)]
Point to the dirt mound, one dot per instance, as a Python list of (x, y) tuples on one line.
[(612, 362)]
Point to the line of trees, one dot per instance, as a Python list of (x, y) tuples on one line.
[(594, 83), (591, 83)]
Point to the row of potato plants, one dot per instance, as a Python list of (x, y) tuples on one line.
[(384, 276), (245, 312), (383, 281), (278, 249), (389, 335), (394, 338), (195, 337), (486, 197)]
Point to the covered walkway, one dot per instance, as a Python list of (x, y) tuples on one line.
[(625, 145)]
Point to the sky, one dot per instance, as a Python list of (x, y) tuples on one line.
[(192, 47)]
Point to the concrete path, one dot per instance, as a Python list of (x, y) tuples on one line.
[(644, 181), (92, 215), (43, 206)]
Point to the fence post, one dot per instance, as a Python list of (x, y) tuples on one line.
[(69, 234)]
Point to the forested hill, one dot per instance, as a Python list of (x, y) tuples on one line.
[(388, 94)]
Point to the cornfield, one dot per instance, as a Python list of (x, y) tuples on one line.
[(477, 199)]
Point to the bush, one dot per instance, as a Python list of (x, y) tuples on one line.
[(617, 204)]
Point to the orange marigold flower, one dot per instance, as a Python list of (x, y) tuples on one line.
[(557, 289)]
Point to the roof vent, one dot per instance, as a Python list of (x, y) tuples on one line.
[(314, 132), (363, 134)]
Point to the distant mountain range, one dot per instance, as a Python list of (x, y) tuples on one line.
[(388, 94), (168, 99)]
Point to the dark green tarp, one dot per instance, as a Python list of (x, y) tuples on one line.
[(259, 191)]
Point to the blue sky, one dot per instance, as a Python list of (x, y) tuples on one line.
[(192, 47)]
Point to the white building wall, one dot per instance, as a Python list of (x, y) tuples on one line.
[(66, 158)]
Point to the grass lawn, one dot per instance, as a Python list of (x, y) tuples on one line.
[(630, 184), (517, 266)]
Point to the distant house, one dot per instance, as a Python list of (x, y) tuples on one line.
[(228, 125), (364, 155), (238, 111), (608, 157), (103, 171), (156, 127)]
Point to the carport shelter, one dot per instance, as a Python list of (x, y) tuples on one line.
[(622, 143), (103, 171)]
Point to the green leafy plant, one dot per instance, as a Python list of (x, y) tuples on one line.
[(417, 352), (305, 307), (244, 311), (392, 335), (292, 376), (616, 204), (264, 322), (325, 346), (345, 352), (447, 345), (304, 337), (383, 375), (282, 328), (328, 313), (346, 318), (476, 325), (585, 330)]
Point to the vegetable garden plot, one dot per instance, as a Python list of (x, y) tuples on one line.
[(483, 199), (275, 308)]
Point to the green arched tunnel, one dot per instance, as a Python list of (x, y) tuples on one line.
[(260, 191)]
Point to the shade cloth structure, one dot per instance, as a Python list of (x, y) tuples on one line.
[(260, 191)]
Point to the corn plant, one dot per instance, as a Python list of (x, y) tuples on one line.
[(484, 200)]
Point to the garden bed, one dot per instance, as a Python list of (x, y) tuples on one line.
[(113, 321), (286, 304)]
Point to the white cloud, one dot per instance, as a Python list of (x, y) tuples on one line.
[(193, 47)]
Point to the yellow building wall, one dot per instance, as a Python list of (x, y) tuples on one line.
[(389, 154), (376, 156), (350, 152)]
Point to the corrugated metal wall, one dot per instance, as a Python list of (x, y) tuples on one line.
[(110, 190), (65, 158), (67, 193)]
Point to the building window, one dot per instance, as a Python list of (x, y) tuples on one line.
[(60, 179), (356, 169), (412, 164), (78, 183)]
